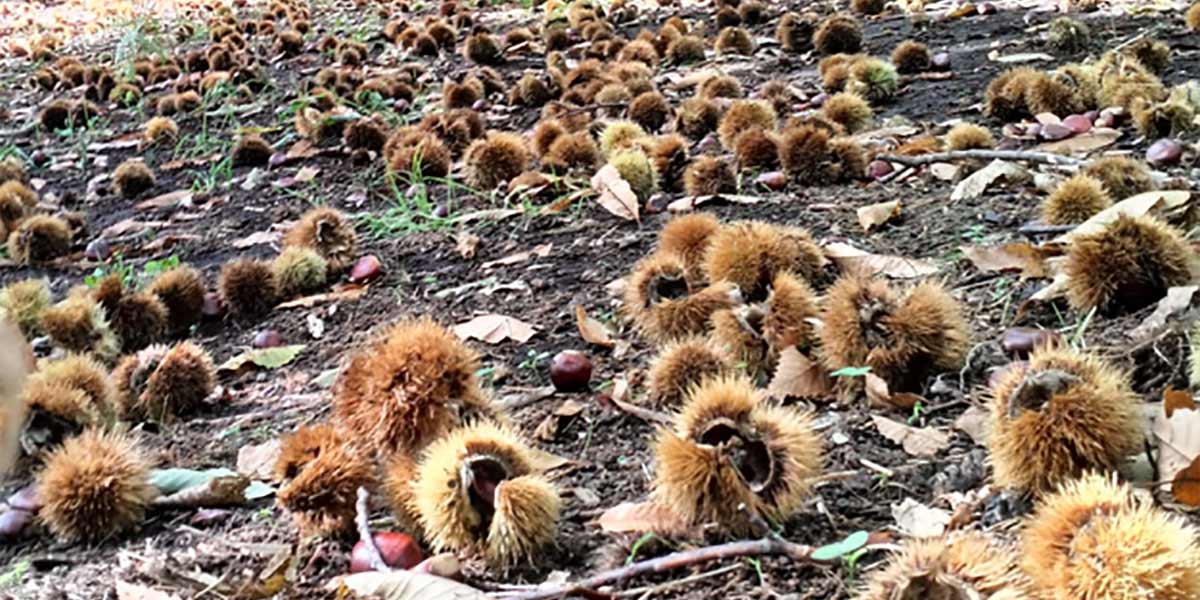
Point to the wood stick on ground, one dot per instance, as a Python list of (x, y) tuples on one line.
[(1026, 155), (765, 547), (1036, 229), (364, 532)]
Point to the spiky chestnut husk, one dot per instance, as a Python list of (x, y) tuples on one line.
[(1151, 53), (416, 152), (299, 270), (734, 40), (613, 93), (23, 302), (726, 17), (682, 365), (181, 291), (743, 115), (795, 31), (750, 254), (688, 237), (330, 233), (969, 136), (1049, 94), (708, 175), (530, 90), (1121, 176), (187, 101), (160, 383), (650, 110), (160, 130), (79, 324), (902, 336), (248, 287), (55, 115), (460, 95), (664, 305), (835, 71), (137, 318), (288, 43), (95, 486), (409, 387), (1095, 539), (849, 110), (12, 168), (322, 496), (730, 452), (1060, 415), (873, 79), (39, 239), (620, 135), (720, 86), (755, 335), (867, 7), (251, 150), (495, 160), (804, 154), (572, 151), (1004, 97), (637, 170), (1075, 200), (1068, 35), (131, 178), (442, 33), (838, 33), (1172, 118), (75, 388), (953, 565), (301, 447), (1192, 17), (756, 148), (479, 489), (639, 51), (686, 49), (544, 134), (911, 57), (1127, 265), (481, 48), (670, 156), (697, 117)]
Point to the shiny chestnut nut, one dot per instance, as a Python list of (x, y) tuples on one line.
[(570, 371), (399, 551)]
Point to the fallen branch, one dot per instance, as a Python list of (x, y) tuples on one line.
[(1026, 155), (374, 557), (769, 546)]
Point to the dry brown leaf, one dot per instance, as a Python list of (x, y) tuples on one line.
[(133, 591), (258, 238), (493, 329), (306, 174), (1133, 206), (638, 517), (167, 200), (1177, 300), (852, 259), (1174, 399), (403, 585), (216, 492), (1020, 57), (798, 376), (917, 520), (130, 226), (1016, 256), (877, 214), (540, 251), (555, 422), (974, 422), (348, 293), (879, 394), (1186, 484), (975, 184), (688, 203), (591, 330), (923, 441), (466, 244), (257, 461), (1178, 439), (1095, 139), (615, 195)]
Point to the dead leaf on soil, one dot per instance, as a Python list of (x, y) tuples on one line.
[(1018, 58), (1133, 206), (945, 171), (258, 238), (257, 461), (130, 226), (1178, 439), (1174, 399), (267, 358), (167, 200), (879, 395), (850, 258), (798, 376), (591, 330), (213, 493), (555, 422), (133, 591), (493, 329), (615, 195), (975, 184), (974, 423), (466, 244), (638, 517), (1015, 256), (1186, 484), (1095, 139), (1177, 300), (923, 441), (306, 174), (917, 520), (403, 585), (348, 293), (540, 251), (687, 203), (875, 215)]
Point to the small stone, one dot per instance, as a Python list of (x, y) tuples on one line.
[(772, 180), (441, 211), (1052, 132), (1092, 115), (277, 159), (213, 305), (985, 8), (13, 523), (400, 106), (1078, 123), (879, 169), (1164, 152), (480, 105), (818, 100), (210, 516), (267, 338), (366, 269), (940, 61), (97, 249), (1020, 341), (25, 499), (39, 158)]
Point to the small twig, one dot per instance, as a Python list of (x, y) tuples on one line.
[(1026, 155), (645, 414), (375, 559), (929, 76), (1036, 229), (676, 560)]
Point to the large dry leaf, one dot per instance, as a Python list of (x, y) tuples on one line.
[(257, 461), (917, 520), (540, 251), (1015, 256), (1178, 440), (688, 203), (130, 226), (1087, 142), (852, 259), (557, 421), (879, 395), (916, 441), (798, 376), (1133, 206), (213, 493), (1177, 300), (615, 195), (591, 330), (975, 184), (266, 358), (404, 585), (167, 200), (974, 422), (874, 215), (493, 329), (638, 517)]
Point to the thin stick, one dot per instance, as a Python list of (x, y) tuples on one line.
[(676, 560), (375, 559), (1026, 155), (1036, 229)]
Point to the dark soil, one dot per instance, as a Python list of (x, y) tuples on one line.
[(608, 450)]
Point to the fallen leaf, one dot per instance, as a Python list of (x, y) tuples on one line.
[(975, 184), (466, 244), (167, 200), (1174, 400), (591, 330), (1178, 440), (557, 421), (798, 376), (1186, 484), (129, 226), (1015, 256), (258, 238), (349, 293), (301, 149), (1177, 300), (257, 461), (1020, 57), (615, 195), (216, 492), (945, 171), (133, 591), (1095, 139), (688, 203), (1133, 206), (267, 358), (917, 520), (923, 441), (874, 215), (850, 258), (879, 394), (540, 251), (493, 329), (403, 585), (306, 174), (974, 423), (638, 517), (170, 481)]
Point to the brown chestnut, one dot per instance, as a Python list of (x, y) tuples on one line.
[(398, 550), (570, 371)]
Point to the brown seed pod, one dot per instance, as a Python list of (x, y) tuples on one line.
[(39, 239), (330, 233), (321, 498), (838, 33), (247, 287), (683, 364), (1127, 265), (664, 306), (749, 254), (949, 565), (1075, 200)]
